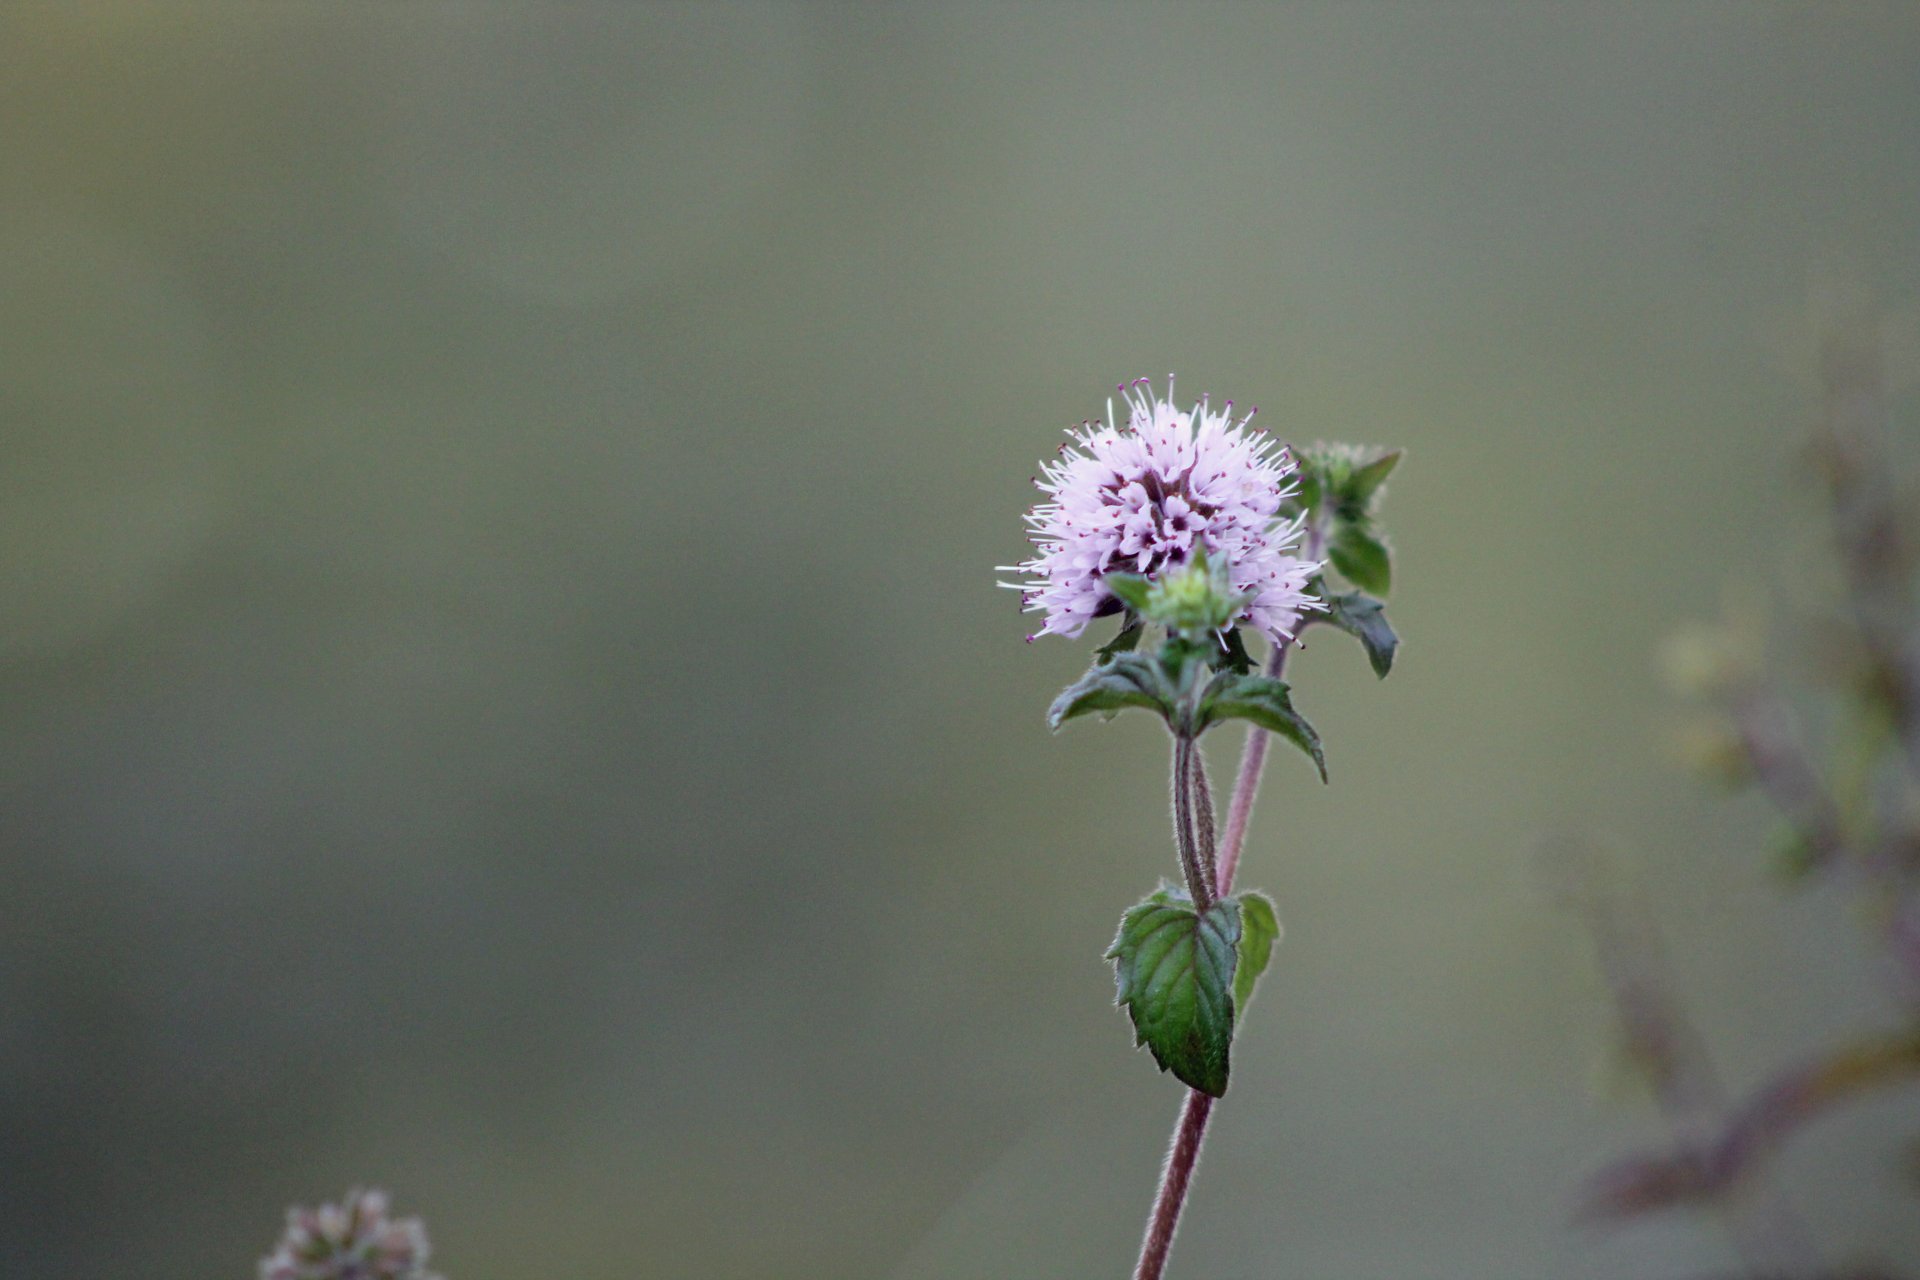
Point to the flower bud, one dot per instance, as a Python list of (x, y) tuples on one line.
[(1195, 599)]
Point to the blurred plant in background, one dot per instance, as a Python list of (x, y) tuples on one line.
[(352, 1240), (1835, 748)]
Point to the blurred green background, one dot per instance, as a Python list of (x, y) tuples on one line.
[(502, 691)]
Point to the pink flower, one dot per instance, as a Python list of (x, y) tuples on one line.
[(1138, 499)]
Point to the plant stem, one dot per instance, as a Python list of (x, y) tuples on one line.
[(1253, 759), (1191, 1129), (1203, 812), (1192, 832), (1173, 1185)]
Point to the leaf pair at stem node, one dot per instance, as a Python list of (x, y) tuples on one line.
[(1137, 680), (1185, 977)]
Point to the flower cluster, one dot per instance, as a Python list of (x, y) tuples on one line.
[(353, 1240), (1141, 498)]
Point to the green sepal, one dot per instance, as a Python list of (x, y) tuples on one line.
[(1174, 973), (1264, 701), (1259, 930), (1125, 680), (1362, 557), (1365, 619), (1232, 654), (1126, 642), (1195, 599), (1131, 589)]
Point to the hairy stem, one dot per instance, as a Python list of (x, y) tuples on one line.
[(1253, 759), (1187, 1136), (1193, 825), (1203, 826), (1192, 833), (1191, 1129)]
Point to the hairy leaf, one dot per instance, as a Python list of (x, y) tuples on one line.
[(1366, 480), (1174, 969), (1266, 702), (1125, 680), (1126, 642), (1233, 655), (1363, 558), (1259, 930), (1365, 619)]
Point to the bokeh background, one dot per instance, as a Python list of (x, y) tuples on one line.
[(503, 694)]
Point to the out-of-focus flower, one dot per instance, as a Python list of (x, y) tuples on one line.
[(352, 1240), (1712, 748), (1704, 661), (1723, 658), (1140, 498)]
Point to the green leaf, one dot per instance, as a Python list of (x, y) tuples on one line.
[(1362, 558), (1174, 970), (1184, 662), (1131, 588), (1367, 480), (1126, 680), (1259, 930), (1126, 642), (1267, 703), (1233, 655), (1309, 494), (1365, 619)]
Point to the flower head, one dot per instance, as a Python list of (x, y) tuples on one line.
[(1141, 498), (353, 1240)]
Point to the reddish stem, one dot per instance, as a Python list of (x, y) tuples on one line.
[(1192, 1127), (1187, 1136), (1198, 1108), (1246, 786)]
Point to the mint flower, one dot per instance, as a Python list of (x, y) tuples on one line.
[(1185, 525), (1140, 499), (353, 1240)]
